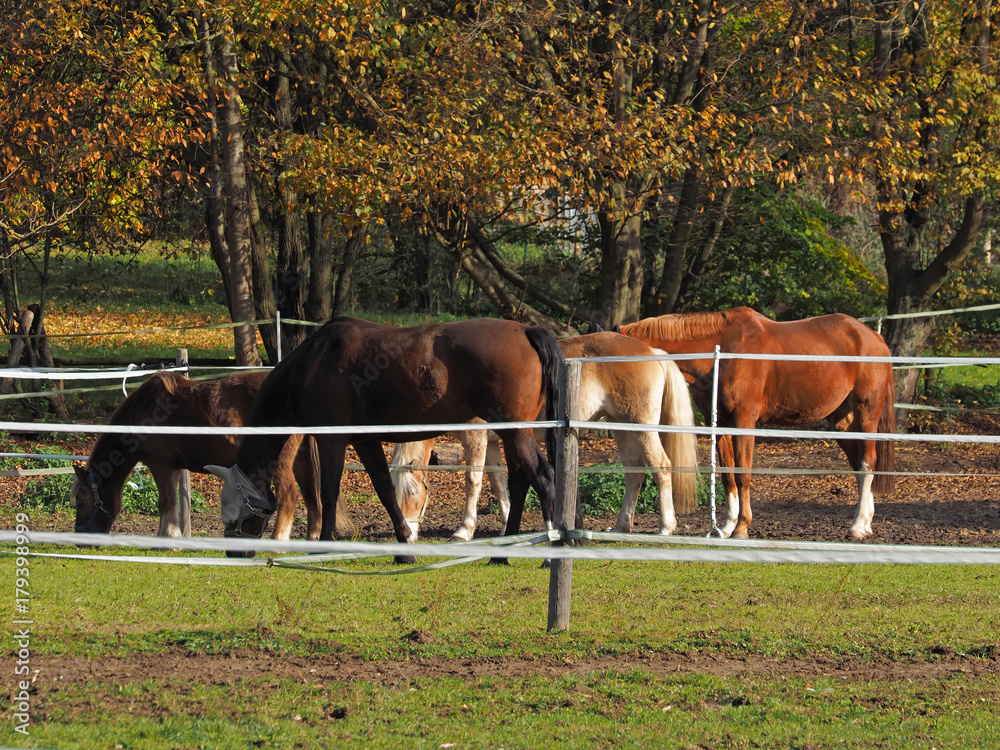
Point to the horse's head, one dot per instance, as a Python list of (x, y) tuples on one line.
[(246, 508), (97, 505), (412, 494)]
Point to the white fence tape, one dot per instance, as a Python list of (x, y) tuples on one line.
[(56, 373), (679, 549)]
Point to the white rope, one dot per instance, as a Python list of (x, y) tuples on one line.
[(910, 361), (124, 429), (56, 373), (698, 549)]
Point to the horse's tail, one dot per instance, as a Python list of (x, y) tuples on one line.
[(681, 447), (550, 356), (885, 450)]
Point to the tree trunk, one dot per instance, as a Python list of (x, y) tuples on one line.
[(215, 211), (17, 346), (293, 270), (621, 266), (352, 252), (263, 286), (676, 251), (237, 203), (912, 285), (474, 261), (319, 303)]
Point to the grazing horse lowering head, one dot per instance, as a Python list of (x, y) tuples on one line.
[(97, 505)]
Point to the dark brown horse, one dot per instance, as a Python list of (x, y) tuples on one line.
[(353, 372), (169, 399), (852, 396)]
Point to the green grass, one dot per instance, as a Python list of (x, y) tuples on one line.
[(780, 611), (863, 614), (631, 708)]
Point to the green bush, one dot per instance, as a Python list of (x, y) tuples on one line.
[(48, 493), (601, 493), (139, 495)]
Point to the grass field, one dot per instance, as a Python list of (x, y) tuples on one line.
[(821, 656), (129, 655)]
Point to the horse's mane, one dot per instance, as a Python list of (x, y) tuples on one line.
[(680, 327), (143, 399)]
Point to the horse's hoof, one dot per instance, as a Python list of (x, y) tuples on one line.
[(405, 559), (499, 561), (546, 564), (739, 535), (241, 554)]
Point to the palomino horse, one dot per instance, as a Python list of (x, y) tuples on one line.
[(353, 372), (641, 392), (852, 396), (168, 399)]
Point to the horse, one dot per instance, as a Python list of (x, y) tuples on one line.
[(169, 399), (639, 392), (353, 372), (852, 396)]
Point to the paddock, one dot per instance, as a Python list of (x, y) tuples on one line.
[(478, 629)]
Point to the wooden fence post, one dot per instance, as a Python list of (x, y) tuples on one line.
[(184, 479), (566, 461)]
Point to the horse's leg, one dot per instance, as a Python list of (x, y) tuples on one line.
[(498, 478), (526, 467), (166, 483), (743, 459), (284, 489), (474, 444), (727, 461), (641, 450), (307, 470), (332, 449), (373, 457), (861, 456)]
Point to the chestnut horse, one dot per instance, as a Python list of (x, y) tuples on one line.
[(641, 392), (851, 396), (169, 399), (354, 372)]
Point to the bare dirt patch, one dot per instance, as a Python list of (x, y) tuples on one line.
[(226, 670)]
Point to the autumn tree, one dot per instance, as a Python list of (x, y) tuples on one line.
[(898, 101), (85, 143)]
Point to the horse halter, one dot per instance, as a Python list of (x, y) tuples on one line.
[(82, 528), (251, 505)]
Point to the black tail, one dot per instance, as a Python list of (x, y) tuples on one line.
[(551, 356)]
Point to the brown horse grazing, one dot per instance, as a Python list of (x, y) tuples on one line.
[(169, 399), (854, 396), (353, 372), (640, 392)]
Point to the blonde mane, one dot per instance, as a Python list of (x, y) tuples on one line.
[(679, 327)]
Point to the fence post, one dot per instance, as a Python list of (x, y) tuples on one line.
[(714, 441), (184, 479), (277, 331), (566, 461)]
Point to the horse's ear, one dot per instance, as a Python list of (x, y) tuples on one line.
[(433, 459), (221, 472), (81, 472), (617, 328), (594, 327)]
